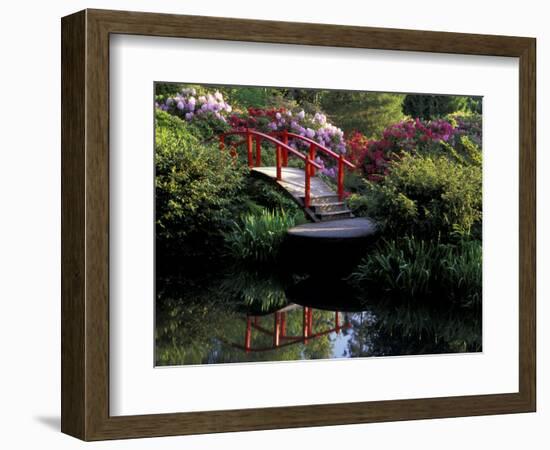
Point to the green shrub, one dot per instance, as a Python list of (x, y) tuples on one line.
[(258, 237), (413, 268), (270, 196), (196, 186), (426, 196), (463, 152)]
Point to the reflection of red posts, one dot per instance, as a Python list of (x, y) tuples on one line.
[(278, 333), (276, 329), (248, 334), (305, 326), (308, 323)]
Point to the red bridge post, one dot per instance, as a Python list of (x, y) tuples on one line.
[(341, 177), (249, 148), (278, 158), (307, 192), (285, 152), (312, 150)]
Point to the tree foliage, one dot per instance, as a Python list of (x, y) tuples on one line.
[(367, 112), (430, 107)]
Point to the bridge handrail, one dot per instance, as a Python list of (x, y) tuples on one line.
[(275, 141), (282, 151), (326, 150)]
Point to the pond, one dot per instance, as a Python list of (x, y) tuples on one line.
[(246, 315)]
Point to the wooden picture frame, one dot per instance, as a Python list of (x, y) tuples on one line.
[(85, 224)]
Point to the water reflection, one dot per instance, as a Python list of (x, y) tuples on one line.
[(279, 329), (246, 316)]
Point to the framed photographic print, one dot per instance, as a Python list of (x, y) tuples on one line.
[(270, 224)]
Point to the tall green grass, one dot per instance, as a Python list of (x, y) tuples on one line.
[(258, 237), (417, 268)]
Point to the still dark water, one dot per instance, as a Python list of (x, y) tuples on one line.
[(244, 315)]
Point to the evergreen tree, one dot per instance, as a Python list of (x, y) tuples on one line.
[(367, 112), (429, 107)]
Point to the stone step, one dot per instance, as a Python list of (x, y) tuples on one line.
[(322, 199), (328, 207), (334, 215)]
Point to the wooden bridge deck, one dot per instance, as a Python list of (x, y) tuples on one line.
[(293, 181)]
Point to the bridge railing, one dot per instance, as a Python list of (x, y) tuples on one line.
[(282, 151), (280, 139), (315, 146)]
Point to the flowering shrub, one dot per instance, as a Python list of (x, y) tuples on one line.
[(189, 106), (408, 136), (368, 155), (356, 144), (374, 157), (416, 135), (314, 127)]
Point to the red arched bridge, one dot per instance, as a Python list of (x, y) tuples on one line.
[(317, 198)]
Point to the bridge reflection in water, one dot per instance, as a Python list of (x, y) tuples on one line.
[(278, 332), (247, 316)]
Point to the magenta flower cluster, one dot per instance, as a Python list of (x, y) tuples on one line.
[(408, 135), (189, 106)]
